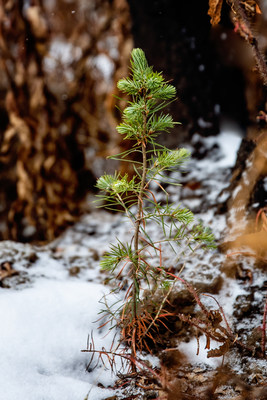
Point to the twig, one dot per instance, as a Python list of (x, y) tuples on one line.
[(221, 311), (246, 32), (160, 308), (263, 340)]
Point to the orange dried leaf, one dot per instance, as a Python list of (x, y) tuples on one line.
[(251, 7), (220, 351), (258, 10), (215, 8), (207, 342), (6, 270)]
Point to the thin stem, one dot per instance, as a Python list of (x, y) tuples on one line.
[(140, 199), (160, 308), (251, 39), (229, 330), (125, 208), (263, 340), (135, 265)]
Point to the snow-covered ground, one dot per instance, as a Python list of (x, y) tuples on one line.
[(51, 306), (44, 326)]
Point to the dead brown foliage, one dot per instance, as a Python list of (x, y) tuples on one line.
[(251, 7), (215, 7)]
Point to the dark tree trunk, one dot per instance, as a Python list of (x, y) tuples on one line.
[(178, 40)]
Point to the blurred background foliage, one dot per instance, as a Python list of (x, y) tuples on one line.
[(59, 64)]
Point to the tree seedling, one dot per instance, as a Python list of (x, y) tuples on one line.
[(143, 120)]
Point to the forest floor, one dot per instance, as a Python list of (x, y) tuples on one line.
[(49, 305)]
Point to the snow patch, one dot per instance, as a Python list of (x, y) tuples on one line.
[(105, 65), (43, 330)]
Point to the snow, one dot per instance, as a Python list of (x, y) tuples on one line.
[(105, 65), (190, 349), (43, 330), (201, 122), (63, 52), (228, 142), (45, 321)]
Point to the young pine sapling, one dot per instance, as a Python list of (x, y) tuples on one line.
[(142, 122)]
